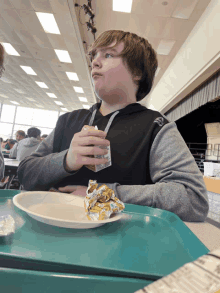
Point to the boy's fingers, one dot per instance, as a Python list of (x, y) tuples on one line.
[(68, 188)]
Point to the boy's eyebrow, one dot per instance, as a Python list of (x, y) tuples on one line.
[(105, 49)]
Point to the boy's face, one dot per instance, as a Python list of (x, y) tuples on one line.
[(115, 79)]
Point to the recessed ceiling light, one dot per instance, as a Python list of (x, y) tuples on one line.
[(64, 109), (165, 47), (122, 5), (51, 95), (58, 103), (63, 56), (13, 102), (5, 79), (78, 89), (28, 70), (31, 99), (39, 106), (72, 76), (86, 106), (10, 50), (19, 91), (48, 22), (82, 99), (41, 84), (3, 96)]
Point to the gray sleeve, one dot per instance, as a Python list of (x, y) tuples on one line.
[(13, 151), (178, 183), (2, 166), (43, 168)]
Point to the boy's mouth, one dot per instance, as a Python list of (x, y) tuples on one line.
[(96, 74)]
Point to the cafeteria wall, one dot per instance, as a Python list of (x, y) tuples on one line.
[(198, 53)]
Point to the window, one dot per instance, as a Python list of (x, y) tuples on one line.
[(8, 113), (5, 130)]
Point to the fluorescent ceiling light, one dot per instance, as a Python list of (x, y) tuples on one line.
[(13, 102), (3, 96), (122, 5), (184, 9), (5, 80), (78, 89), (63, 56), (10, 50), (72, 76), (19, 91), (86, 106), (165, 47), (58, 103), (31, 99), (51, 95), (64, 109), (157, 71), (48, 22), (41, 84), (82, 99), (28, 70), (40, 106)]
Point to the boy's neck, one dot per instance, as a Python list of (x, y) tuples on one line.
[(106, 108)]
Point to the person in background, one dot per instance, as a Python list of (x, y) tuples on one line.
[(20, 134), (43, 136), (28, 145), (1, 139), (2, 166), (10, 144)]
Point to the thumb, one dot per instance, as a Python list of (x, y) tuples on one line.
[(68, 188)]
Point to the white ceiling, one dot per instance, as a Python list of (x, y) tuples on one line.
[(162, 25)]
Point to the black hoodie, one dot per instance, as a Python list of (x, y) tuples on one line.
[(131, 135)]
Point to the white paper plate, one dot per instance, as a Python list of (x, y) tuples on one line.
[(58, 209)]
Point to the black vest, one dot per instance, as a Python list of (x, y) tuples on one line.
[(131, 136)]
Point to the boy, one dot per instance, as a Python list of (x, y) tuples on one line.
[(150, 162)]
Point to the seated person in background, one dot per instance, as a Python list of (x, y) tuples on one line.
[(20, 134), (10, 144), (151, 164), (1, 139), (2, 167), (28, 145), (43, 137)]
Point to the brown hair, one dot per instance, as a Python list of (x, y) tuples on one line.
[(2, 52), (21, 132), (138, 54)]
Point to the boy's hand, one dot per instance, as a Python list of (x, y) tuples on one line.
[(84, 144), (74, 189)]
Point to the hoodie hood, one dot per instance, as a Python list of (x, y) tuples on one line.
[(30, 142)]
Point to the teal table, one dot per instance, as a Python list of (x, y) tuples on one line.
[(23, 281), (146, 243)]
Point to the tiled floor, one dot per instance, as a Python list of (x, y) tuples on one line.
[(214, 206)]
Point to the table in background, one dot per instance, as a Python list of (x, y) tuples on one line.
[(11, 167)]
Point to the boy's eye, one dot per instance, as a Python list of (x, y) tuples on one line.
[(107, 54)]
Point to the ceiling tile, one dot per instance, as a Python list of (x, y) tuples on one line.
[(5, 4), (184, 8), (155, 27), (22, 4), (142, 7), (12, 18), (174, 28), (41, 6), (158, 9), (165, 47), (137, 24)]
